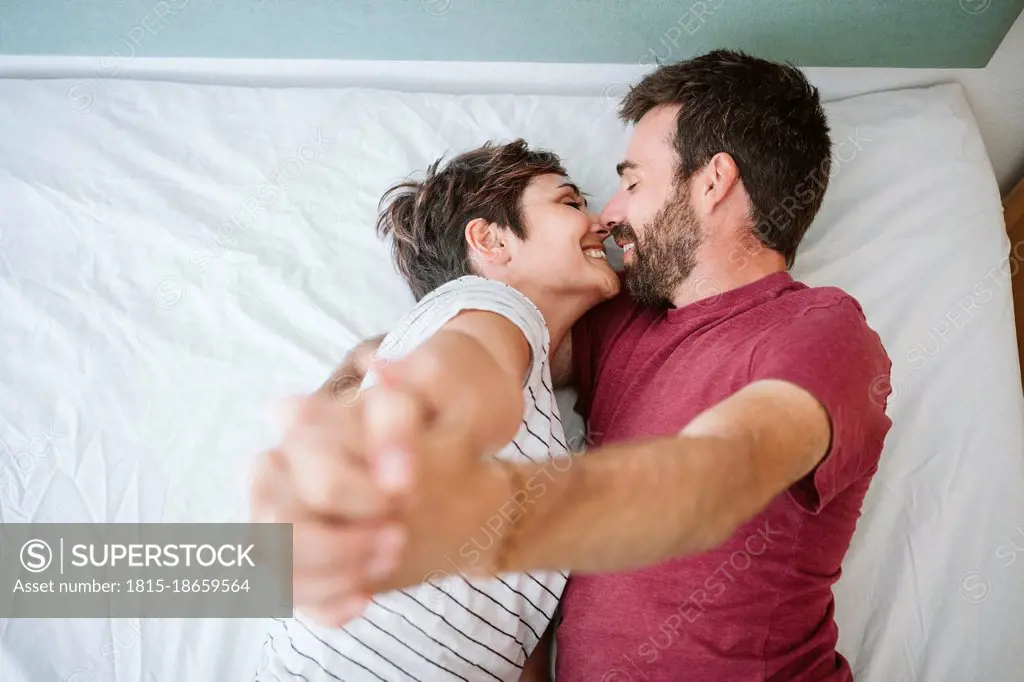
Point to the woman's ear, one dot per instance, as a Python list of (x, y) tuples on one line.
[(486, 241)]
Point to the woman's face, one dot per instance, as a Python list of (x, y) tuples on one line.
[(563, 253)]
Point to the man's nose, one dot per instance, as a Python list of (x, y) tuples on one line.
[(613, 213)]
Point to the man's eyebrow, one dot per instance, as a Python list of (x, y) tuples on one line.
[(624, 166)]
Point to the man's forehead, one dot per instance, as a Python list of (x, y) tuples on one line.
[(657, 128), (650, 147), (660, 117)]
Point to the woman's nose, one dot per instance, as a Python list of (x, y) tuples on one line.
[(597, 227)]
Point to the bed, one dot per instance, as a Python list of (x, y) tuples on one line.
[(174, 258)]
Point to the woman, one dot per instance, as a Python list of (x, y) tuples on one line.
[(503, 256)]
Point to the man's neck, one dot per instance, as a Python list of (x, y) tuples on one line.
[(720, 273)]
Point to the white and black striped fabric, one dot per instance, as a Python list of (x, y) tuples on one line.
[(448, 629)]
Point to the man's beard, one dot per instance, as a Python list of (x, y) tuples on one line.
[(666, 255)]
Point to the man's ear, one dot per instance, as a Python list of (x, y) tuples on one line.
[(486, 241), (715, 181)]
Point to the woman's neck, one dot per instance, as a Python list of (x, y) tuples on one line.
[(560, 313)]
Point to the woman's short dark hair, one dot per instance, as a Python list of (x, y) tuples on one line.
[(766, 115), (427, 219)]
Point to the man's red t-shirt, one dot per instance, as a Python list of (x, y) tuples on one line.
[(759, 607)]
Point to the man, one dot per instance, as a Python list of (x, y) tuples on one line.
[(734, 414)]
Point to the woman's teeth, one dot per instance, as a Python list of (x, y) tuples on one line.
[(596, 253)]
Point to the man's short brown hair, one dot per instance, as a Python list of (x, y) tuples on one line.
[(766, 115)]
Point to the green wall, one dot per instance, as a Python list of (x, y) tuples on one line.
[(908, 33)]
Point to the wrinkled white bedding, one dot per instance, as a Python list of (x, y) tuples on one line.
[(174, 258)]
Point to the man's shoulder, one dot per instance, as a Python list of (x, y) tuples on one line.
[(829, 298), (829, 305), (827, 314)]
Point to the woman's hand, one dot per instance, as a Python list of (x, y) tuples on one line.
[(321, 479), (385, 488)]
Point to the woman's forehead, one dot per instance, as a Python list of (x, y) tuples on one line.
[(551, 182)]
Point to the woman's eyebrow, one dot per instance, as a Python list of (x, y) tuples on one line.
[(575, 190)]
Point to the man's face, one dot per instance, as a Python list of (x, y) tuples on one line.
[(651, 216)]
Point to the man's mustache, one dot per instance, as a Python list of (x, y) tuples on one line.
[(623, 232)]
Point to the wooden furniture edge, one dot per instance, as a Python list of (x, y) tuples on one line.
[(1013, 212), (1013, 208)]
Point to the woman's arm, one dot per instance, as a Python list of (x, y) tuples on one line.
[(349, 374), (467, 379), (470, 376), (336, 449), (494, 347)]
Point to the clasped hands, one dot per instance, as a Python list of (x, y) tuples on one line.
[(382, 486)]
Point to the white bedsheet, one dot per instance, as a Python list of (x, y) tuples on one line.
[(139, 355)]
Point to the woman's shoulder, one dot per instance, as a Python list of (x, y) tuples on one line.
[(475, 292), (470, 292), (469, 285)]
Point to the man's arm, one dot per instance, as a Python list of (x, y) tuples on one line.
[(811, 407), (699, 486), (725, 467)]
